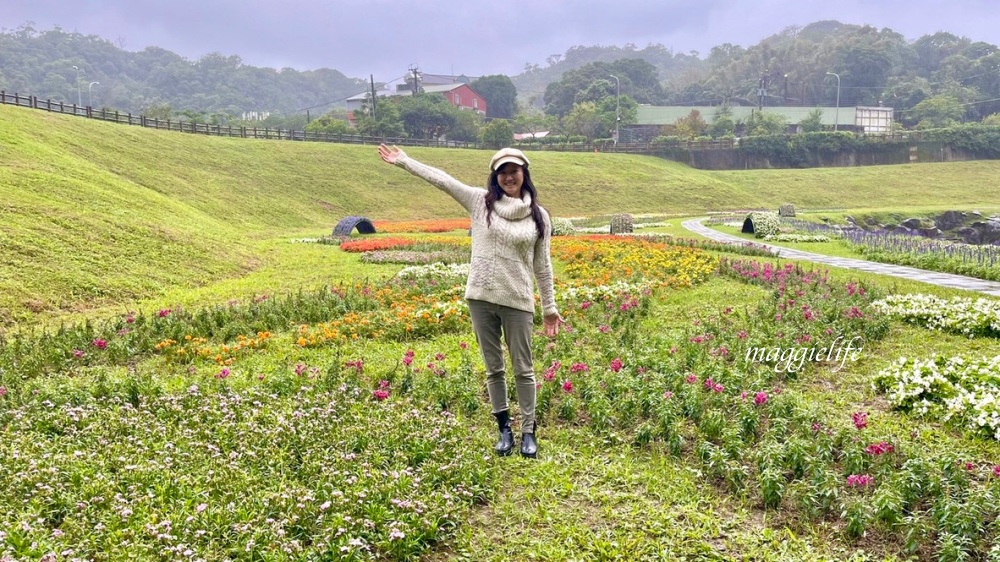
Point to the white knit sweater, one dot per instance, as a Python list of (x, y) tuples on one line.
[(506, 254)]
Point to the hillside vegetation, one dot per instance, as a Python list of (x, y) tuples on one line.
[(96, 213)]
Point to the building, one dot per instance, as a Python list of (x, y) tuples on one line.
[(458, 94), (874, 120)]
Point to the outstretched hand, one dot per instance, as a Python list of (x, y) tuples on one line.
[(389, 154), (552, 322)]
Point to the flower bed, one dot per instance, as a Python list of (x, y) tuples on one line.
[(963, 390), (960, 315)]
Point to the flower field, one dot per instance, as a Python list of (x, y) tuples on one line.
[(351, 422)]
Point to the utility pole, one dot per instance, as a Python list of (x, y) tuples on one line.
[(372, 78), (416, 79)]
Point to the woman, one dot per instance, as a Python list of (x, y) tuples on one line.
[(510, 245)]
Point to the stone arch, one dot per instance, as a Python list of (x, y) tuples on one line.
[(748, 225), (348, 224)]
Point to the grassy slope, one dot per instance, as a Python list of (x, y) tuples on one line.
[(96, 213)]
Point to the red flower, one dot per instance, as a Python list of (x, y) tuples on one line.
[(100, 344), (567, 386), (616, 364)]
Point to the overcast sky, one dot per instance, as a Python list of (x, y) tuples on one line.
[(384, 37)]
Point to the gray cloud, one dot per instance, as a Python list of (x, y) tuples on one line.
[(383, 37)]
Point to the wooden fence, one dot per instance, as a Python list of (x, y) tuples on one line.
[(286, 134)]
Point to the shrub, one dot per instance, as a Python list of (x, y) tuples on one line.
[(562, 227)]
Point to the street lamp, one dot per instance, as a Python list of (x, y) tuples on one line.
[(79, 100), (836, 119), (90, 93), (618, 102)]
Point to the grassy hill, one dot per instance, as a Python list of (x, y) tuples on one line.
[(96, 213)]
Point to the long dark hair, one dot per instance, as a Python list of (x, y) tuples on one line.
[(495, 192)]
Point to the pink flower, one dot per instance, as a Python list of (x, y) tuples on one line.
[(860, 419), (358, 365), (742, 335), (224, 373), (201, 507), (439, 356), (3, 392), (854, 312), (616, 364), (970, 466), (163, 312), (673, 350), (760, 398), (691, 379), (463, 345), (880, 448), (859, 480), (383, 384), (579, 368), (130, 319), (567, 386), (668, 395), (100, 344), (78, 353), (380, 394), (603, 328), (717, 387), (299, 369), (585, 305), (727, 310), (996, 468), (743, 395), (408, 357)]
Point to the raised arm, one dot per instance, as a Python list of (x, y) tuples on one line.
[(467, 196)]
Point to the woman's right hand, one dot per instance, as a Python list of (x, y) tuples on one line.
[(389, 154)]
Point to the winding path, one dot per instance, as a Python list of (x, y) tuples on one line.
[(933, 277)]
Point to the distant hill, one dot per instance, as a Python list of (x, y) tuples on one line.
[(41, 63), (671, 66)]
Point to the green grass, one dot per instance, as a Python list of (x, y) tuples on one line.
[(95, 214)]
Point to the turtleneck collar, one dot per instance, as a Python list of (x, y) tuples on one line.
[(513, 209)]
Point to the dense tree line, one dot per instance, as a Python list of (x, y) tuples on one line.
[(935, 81), (61, 66)]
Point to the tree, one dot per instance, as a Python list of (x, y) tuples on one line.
[(467, 126), (333, 123), (427, 116), (722, 122), (386, 122), (628, 113), (497, 134), (813, 122), (766, 123), (992, 120), (638, 78), (534, 122), (583, 120), (690, 126), (938, 111), (499, 93)]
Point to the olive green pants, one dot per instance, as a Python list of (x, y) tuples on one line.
[(491, 322)]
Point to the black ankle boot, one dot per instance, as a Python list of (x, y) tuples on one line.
[(505, 445), (529, 447)]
